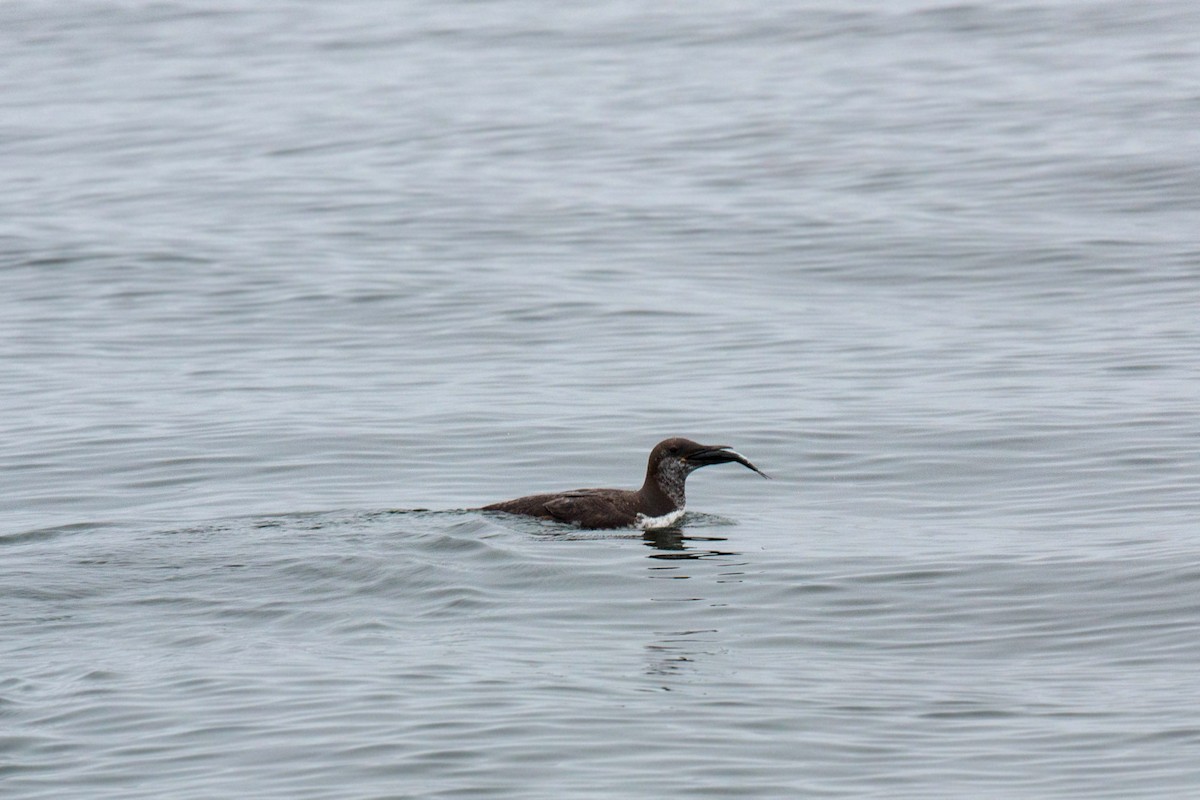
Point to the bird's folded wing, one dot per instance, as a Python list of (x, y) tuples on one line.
[(588, 509)]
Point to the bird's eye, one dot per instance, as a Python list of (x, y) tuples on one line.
[(674, 449)]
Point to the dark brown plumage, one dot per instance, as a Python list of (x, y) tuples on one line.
[(659, 502)]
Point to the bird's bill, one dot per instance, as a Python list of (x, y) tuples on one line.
[(720, 454)]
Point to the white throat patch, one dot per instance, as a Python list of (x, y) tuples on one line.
[(665, 521)]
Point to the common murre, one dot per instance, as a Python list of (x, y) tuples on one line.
[(658, 504)]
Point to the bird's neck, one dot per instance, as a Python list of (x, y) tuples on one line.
[(663, 489)]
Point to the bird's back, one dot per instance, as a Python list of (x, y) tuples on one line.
[(587, 508)]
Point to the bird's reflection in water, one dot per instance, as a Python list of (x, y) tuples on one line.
[(682, 552), (673, 654), (676, 650), (674, 544)]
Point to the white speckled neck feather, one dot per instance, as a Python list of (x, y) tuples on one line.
[(665, 521)]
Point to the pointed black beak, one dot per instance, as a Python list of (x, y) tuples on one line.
[(720, 454)]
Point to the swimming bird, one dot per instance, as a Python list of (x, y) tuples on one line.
[(658, 504)]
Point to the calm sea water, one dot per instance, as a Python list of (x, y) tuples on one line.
[(286, 288)]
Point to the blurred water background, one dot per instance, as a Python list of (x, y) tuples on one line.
[(286, 288)]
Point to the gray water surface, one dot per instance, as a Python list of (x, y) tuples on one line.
[(286, 289)]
